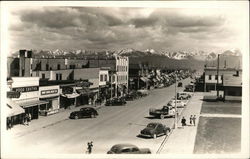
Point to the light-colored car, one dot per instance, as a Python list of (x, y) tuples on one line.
[(128, 149), (179, 103), (183, 95)]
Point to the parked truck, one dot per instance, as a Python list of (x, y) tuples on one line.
[(165, 111)]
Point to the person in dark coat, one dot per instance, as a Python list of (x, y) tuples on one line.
[(90, 145), (191, 119), (183, 121)]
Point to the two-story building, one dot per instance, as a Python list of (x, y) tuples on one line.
[(213, 77)]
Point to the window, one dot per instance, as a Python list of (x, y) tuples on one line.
[(237, 73), (72, 66), (216, 77), (106, 77), (58, 67), (126, 150), (47, 67), (210, 77), (221, 77), (58, 76), (101, 78), (43, 76)]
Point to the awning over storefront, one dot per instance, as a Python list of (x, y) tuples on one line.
[(14, 108), (30, 103), (144, 79), (73, 95)]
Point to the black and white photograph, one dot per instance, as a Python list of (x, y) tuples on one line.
[(124, 79)]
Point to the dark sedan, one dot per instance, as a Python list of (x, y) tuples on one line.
[(128, 149), (154, 130), (84, 112), (116, 101)]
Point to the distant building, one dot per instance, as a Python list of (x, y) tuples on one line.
[(122, 68), (211, 77), (232, 85)]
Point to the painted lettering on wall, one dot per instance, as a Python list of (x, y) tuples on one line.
[(26, 89), (52, 91)]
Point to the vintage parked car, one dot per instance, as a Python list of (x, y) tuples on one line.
[(183, 95), (116, 101), (165, 111), (84, 112), (179, 103), (128, 149), (154, 130), (131, 96)]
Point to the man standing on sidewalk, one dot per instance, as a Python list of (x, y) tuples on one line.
[(183, 121), (191, 119), (194, 118)]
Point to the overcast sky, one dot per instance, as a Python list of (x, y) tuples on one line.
[(100, 28)]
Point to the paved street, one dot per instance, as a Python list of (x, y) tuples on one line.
[(115, 124)]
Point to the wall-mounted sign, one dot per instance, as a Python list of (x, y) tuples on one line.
[(12, 94), (25, 89), (52, 91)]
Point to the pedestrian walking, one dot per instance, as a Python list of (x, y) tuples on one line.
[(183, 121), (90, 145), (26, 119), (191, 119), (194, 118)]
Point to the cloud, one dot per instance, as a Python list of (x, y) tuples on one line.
[(117, 28)]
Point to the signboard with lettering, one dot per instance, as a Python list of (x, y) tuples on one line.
[(52, 91), (25, 89), (12, 94)]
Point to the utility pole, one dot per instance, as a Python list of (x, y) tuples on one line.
[(176, 115), (218, 65)]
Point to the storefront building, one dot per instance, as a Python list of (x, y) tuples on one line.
[(28, 87), (49, 94)]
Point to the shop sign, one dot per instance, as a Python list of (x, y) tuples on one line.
[(52, 91), (26, 89), (12, 94)]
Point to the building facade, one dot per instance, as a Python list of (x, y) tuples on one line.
[(213, 78)]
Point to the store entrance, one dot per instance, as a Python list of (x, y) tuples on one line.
[(33, 110)]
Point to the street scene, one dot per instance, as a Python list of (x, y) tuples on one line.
[(113, 80)]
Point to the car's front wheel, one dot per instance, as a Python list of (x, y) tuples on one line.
[(162, 116), (76, 117)]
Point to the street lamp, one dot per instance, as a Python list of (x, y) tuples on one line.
[(176, 115)]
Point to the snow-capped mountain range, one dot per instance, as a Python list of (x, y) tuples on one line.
[(177, 55)]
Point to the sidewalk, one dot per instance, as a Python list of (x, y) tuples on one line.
[(45, 121), (182, 140)]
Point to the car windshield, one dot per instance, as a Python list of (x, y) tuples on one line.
[(151, 125)]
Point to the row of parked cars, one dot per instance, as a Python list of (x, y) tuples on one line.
[(152, 130)]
